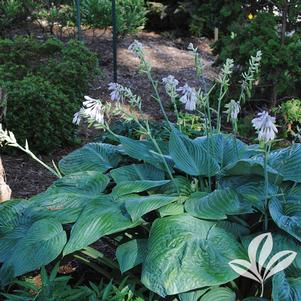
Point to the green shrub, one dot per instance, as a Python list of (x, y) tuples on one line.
[(281, 60), (39, 111), (14, 13), (130, 14), (291, 110), (45, 83)]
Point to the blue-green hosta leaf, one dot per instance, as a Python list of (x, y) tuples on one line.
[(251, 167), (172, 209), (287, 216), (250, 189), (131, 254), (92, 156), (38, 246), (185, 253), (220, 294), (179, 185), (287, 162), (66, 198), (14, 223), (286, 289), (224, 148), (129, 187), (292, 191), (100, 217), (193, 295), (137, 205), (146, 151), (136, 172), (236, 229), (216, 205), (190, 156)]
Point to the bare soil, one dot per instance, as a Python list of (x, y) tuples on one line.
[(167, 55)]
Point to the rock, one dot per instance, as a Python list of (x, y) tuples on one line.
[(5, 191)]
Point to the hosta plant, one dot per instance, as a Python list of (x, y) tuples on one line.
[(182, 211)]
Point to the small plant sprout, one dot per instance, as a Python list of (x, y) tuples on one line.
[(189, 97), (8, 138), (265, 126)]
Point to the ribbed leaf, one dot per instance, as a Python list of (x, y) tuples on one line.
[(216, 205), (14, 224), (40, 244), (250, 189), (287, 162), (92, 156), (224, 148), (172, 209), (220, 294), (183, 187), (286, 289), (131, 253), (136, 172), (287, 216), (251, 167), (190, 156), (146, 151), (66, 198), (129, 187), (137, 206), (185, 253), (194, 295), (99, 218)]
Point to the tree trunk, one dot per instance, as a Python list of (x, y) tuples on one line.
[(5, 191)]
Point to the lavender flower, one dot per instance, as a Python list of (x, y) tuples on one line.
[(265, 126), (189, 97)]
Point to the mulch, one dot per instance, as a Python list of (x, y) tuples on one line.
[(167, 56)]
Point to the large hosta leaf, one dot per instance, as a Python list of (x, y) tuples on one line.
[(66, 198), (190, 156), (251, 167), (38, 246), (136, 172), (129, 187), (14, 223), (287, 162), (137, 205), (92, 156), (216, 205), (287, 216), (286, 289), (185, 253), (147, 152), (224, 148), (220, 294), (250, 189), (100, 217), (131, 253)]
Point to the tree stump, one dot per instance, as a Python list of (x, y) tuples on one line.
[(5, 191)]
